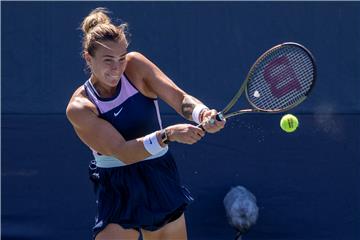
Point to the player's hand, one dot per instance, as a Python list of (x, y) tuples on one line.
[(184, 133), (209, 122)]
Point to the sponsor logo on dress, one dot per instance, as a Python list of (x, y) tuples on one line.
[(118, 112)]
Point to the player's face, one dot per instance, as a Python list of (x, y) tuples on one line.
[(109, 62)]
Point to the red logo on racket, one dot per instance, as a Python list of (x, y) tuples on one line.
[(281, 77)]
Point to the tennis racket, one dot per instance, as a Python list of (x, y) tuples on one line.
[(279, 80)]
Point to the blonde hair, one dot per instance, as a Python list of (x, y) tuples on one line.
[(97, 27)]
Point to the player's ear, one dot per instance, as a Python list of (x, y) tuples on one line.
[(87, 58)]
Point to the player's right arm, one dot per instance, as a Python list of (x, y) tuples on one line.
[(99, 134), (102, 137)]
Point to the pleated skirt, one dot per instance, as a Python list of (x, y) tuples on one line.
[(144, 195)]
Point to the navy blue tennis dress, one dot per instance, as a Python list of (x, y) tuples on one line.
[(147, 194)]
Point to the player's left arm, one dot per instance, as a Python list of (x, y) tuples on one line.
[(167, 90), (184, 104), (162, 86)]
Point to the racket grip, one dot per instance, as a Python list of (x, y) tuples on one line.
[(220, 116)]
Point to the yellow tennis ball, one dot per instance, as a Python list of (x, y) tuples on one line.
[(289, 123)]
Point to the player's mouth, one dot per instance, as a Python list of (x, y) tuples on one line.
[(113, 78)]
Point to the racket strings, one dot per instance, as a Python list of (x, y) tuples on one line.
[(281, 79)]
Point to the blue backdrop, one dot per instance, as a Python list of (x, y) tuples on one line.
[(306, 183)]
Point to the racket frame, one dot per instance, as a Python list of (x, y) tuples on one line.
[(224, 115)]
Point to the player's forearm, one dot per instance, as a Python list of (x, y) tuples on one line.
[(188, 105), (134, 150), (130, 152)]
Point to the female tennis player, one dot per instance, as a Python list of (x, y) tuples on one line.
[(116, 114)]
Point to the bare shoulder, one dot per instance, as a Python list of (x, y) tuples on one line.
[(138, 61), (79, 107), (135, 57)]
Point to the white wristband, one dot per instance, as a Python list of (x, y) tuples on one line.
[(196, 112), (151, 144)]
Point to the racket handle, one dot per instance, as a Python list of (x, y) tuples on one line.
[(220, 116)]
